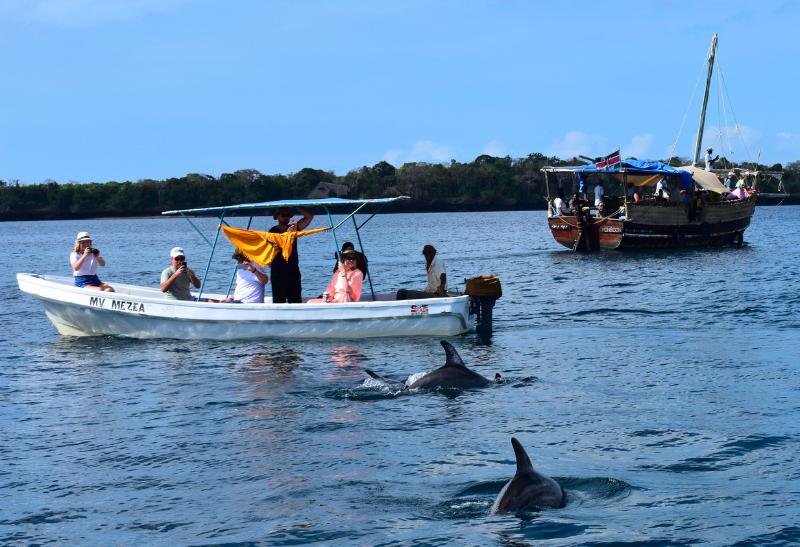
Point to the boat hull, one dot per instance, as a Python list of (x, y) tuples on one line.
[(138, 312), (657, 228)]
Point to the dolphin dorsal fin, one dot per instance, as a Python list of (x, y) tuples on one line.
[(453, 358), (373, 375), (524, 464)]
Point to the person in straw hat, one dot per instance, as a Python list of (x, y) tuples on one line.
[(346, 283), (84, 260)]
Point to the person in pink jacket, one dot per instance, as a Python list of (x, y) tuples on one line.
[(345, 285), (740, 192)]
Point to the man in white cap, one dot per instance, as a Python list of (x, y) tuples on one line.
[(709, 160), (176, 280)]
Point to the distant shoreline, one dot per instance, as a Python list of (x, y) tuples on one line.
[(407, 207), (28, 216)]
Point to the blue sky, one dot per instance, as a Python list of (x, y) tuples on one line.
[(98, 90)]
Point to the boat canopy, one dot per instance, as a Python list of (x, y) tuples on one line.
[(647, 173), (326, 203), (351, 208), (705, 179)]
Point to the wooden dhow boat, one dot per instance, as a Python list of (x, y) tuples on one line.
[(700, 216), (646, 205)]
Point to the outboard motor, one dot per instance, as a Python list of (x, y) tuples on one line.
[(483, 291)]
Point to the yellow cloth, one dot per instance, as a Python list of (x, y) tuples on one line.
[(263, 247)]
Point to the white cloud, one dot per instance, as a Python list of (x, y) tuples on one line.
[(639, 147), (495, 148), (393, 156), (577, 143), (421, 151), (786, 136), (82, 13)]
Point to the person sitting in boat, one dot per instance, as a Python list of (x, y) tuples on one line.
[(345, 285), (286, 284), (560, 206), (730, 181), (84, 260), (662, 190), (437, 278), (361, 259), (575, 204), (177, 278), (598, 194), (250, 281), (633, 193), (740, 192), (709, 160)]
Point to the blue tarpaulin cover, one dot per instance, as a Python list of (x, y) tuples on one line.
[(639, 167)]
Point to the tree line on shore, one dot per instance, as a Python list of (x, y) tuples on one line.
[(486, 183)]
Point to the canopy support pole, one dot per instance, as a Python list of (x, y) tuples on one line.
[(377, 210), (361, 246), (333, 231), (196, 229), (233, 275), (210, 256)]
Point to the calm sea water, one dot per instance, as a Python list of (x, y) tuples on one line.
[(661, 390)]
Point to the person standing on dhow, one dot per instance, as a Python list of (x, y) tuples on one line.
[(286, 284), (709, 160)]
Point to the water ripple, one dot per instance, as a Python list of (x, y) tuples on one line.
[(660, 389)]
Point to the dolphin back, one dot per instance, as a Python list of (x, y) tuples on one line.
[(453, 374), (528, 489), (386, 381), (453, 359), (524, 464), (373, 375)]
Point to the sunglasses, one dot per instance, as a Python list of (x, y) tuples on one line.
[(180, 258), (350, 259)]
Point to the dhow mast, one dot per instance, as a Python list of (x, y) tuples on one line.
[(711, 54)]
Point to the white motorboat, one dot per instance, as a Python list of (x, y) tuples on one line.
[(144, 312)]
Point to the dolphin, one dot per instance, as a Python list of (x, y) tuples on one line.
[(528, 489), (453, 374)]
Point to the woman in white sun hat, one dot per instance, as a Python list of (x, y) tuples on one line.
[(84, 260)]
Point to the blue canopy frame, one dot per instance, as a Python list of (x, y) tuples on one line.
[(326, 204), (629, 167)]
